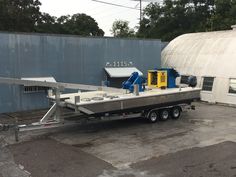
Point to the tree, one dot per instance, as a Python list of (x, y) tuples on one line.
[(174, 18), (19, 15), (224, 15), (47, 24), (80, 24), (25, 16), (77, 24), (121, 28)]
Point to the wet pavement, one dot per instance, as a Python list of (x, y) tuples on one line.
[(47, 158), (216, 160), (201, 143)]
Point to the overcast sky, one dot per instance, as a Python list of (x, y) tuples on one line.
[(104, 14)]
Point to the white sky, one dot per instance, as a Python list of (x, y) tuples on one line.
[(104, 14)]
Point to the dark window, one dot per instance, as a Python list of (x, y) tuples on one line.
[(208, 83), (232, 86), (34, 89), (184, 79)]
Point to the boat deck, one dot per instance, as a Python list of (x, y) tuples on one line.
[(102, 101)]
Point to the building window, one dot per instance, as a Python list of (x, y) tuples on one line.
[(184, 79), (208, 83), (232, 86), (34, 89)]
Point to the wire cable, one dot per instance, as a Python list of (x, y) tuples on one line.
[(118, 5), (103, 11)]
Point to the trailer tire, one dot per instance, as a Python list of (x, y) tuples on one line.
[(164, 114), (175, 112), (152, 116)]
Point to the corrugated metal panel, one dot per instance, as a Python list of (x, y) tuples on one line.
[(122, 72), (68, 59)]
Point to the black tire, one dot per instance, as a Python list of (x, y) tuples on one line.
[(175, 112), (152, 116), (164, 114)]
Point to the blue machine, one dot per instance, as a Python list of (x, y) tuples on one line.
[(134, 79), (172, 74)]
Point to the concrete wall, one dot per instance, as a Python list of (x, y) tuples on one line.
[(68, 59)]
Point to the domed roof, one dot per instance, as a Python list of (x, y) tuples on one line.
[(203, 54)]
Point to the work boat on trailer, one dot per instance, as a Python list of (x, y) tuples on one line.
[(102, 102), (159, 99), (137, 96)]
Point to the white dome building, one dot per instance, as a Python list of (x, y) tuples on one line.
[(211, 56)]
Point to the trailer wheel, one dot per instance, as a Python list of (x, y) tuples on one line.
[(152, 116), (164, 114), (175, 112)]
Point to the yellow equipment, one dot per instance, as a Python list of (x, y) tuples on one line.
[(157, 79)]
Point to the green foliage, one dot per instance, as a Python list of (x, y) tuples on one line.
[(121, 28), (77, 24), (80, 24), (46, 24), (224, 15), (25, 16), (19, 15), (176, 17)]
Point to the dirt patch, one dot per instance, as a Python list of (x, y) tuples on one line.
[(48, 158), (217, 160)]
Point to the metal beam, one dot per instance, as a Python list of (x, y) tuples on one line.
[(15, 81), (56, 85)]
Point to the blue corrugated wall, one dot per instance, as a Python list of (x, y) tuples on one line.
[(66, 58)]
